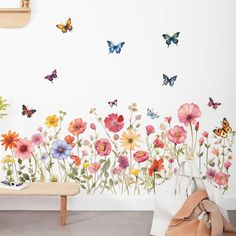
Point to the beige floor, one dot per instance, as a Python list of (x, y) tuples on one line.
[(106, 223)]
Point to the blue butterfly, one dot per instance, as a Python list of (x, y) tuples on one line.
[(153, 115), (170, 39), (170, 81), (115, 48)]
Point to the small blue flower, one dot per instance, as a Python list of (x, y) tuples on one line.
[(60, 149)]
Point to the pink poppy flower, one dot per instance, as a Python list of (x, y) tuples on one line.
[(158, 143), (24, 149), (201, 141), (188, 113), (197, 126), (150, 129), (93, 126), (177, 135), (37, 139), (210, 174), (227, 164), (114, 122), (205, 134), (94, 168), (103, 147), (221, 179), (141, 156), (77, 126)]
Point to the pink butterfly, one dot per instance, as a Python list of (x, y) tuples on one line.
[(113, 103), (52, 76), (213, 104)]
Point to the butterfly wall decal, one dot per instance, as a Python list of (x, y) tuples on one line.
[(27, 112), (171, 39), (224, 130), (213, 104), (66, 27), (153, 115), (170, 81), (115, 48), (52, 76), (113, 103)]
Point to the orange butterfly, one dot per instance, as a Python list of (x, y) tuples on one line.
[(66, 27), (223, 132)]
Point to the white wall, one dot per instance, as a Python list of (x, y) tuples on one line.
[(204, 60)]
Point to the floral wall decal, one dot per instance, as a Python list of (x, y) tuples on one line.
[(122, 159)]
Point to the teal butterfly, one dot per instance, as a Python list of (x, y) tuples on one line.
[(169, 39)]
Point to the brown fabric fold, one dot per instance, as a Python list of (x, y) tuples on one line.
[(186, 222)]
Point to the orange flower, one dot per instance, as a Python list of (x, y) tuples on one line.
[(69, 140), (216, 151), (156, 166), (76, 160), (9, 140)]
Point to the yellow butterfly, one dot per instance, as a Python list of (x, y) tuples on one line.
[(223, 132), (66, 27)]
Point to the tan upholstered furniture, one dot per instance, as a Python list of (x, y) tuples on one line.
[(47, 189)]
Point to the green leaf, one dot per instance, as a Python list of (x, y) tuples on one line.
[(9, 172), (204, 177), (25, 176), (106, 165), (106, 174), (82, 171), (82, 186), (21, 180), (20, 161), (93, 185), (63, 166), (111, 182)]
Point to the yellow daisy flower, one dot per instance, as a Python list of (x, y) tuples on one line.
[(52, 121), (130, 139), (86, 164), (134, 172)]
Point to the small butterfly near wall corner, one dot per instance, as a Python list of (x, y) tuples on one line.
[(27, 112), (115, 48), (52, 76), (213, 104), (170, 81), (113, 103), (223, 132), (171, 39), (151, 114), (66, 27)]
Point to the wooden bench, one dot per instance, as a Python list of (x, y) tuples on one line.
[(47, 189)]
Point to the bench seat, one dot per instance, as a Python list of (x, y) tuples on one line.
[(47, 189)]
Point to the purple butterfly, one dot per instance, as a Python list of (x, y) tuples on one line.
[(52, 76)]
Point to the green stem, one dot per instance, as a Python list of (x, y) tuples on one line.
[(66, 173), (191, 128), (130, 161), (17, 176), (59, 167)]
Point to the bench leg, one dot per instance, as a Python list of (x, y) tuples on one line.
[(63, 210)]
